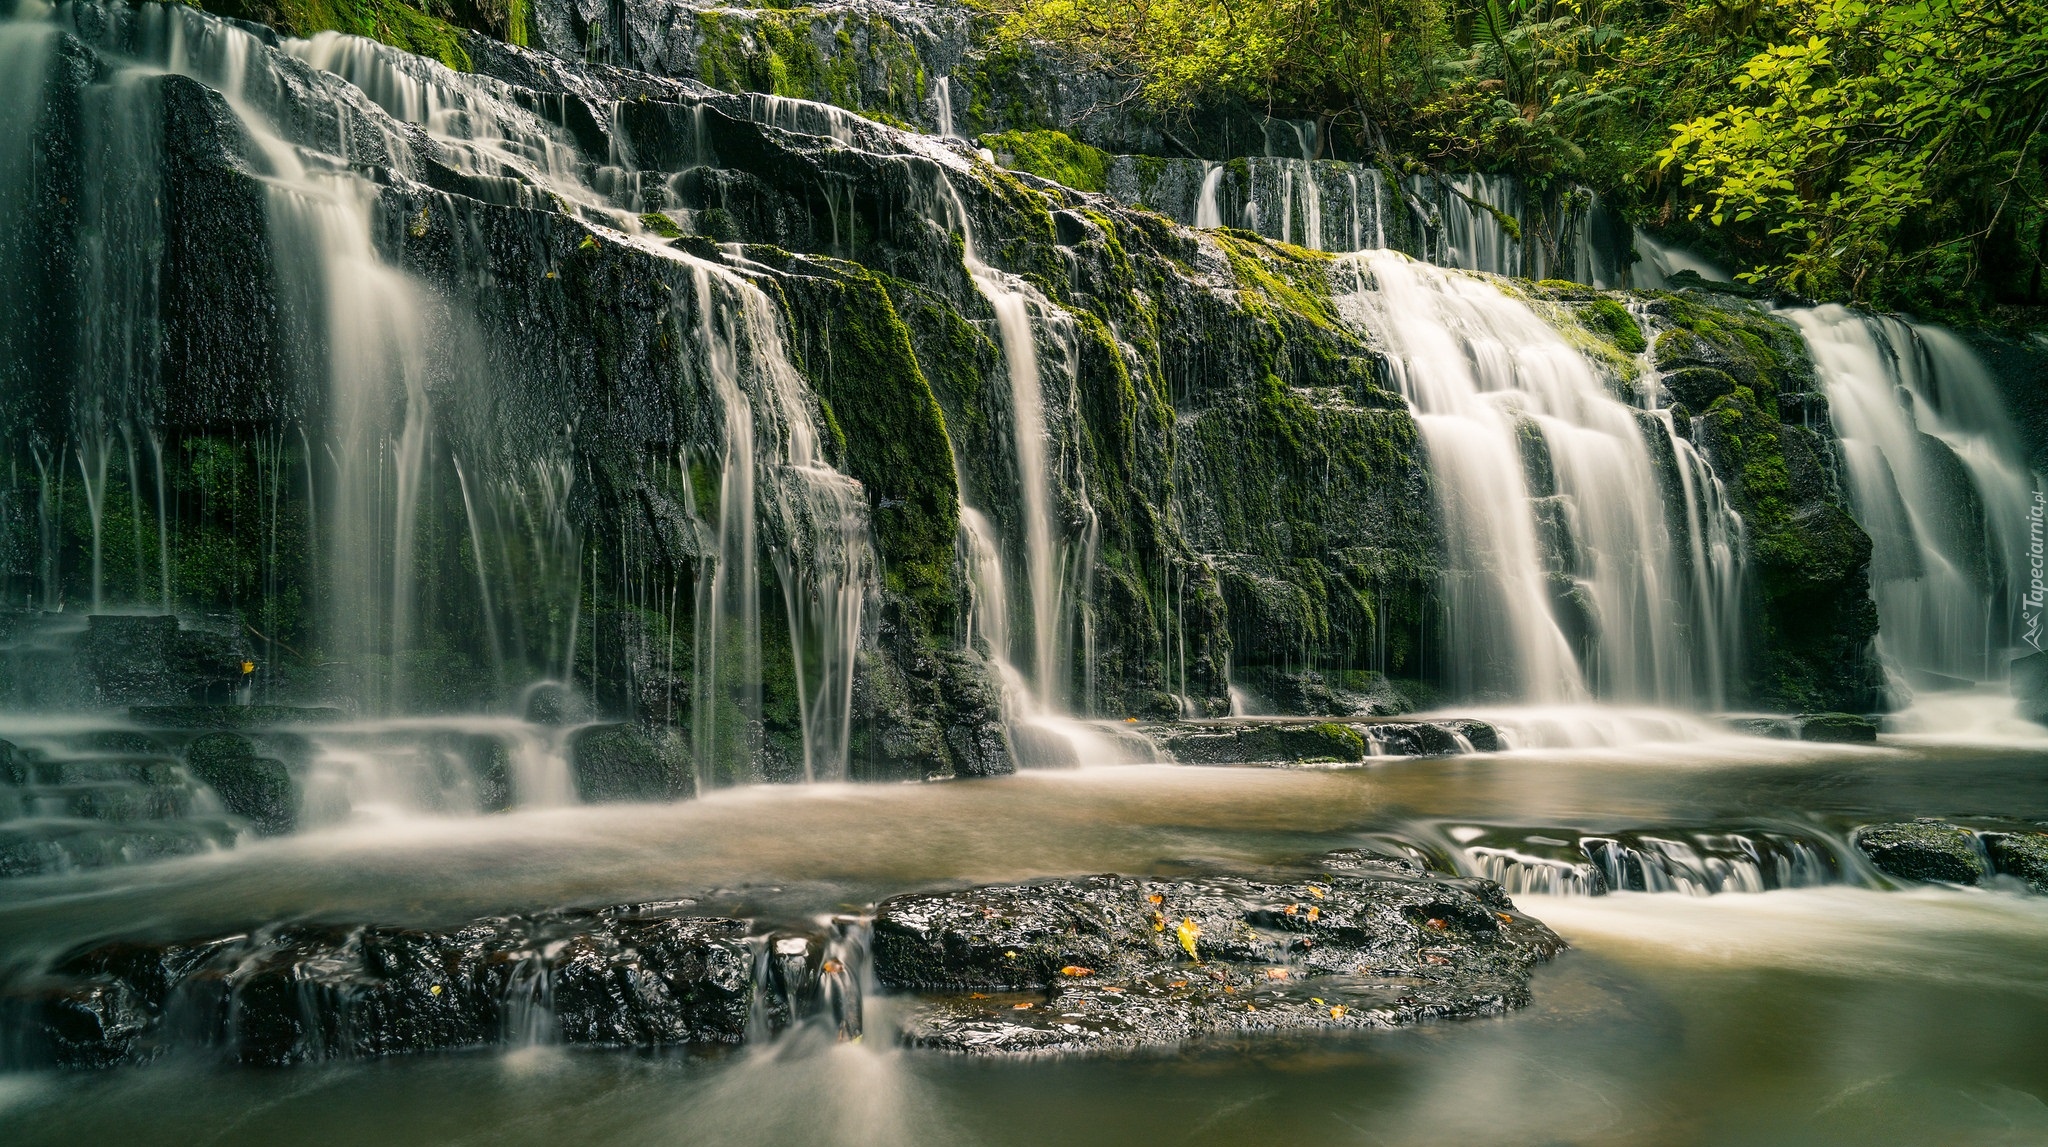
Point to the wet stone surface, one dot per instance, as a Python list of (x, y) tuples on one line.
[(1113, 962), (1923, 849), (1102, 963)]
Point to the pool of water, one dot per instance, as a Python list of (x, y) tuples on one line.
[(1849, 1012)]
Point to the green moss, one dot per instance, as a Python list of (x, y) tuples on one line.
[(892, 429), (1052, 155), (387, 21), (1611, 321), (1271, 275), (661, 225)]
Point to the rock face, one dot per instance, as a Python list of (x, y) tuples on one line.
[(1107, 962), (2029, 683), (1924, 849), (1234, 484), (624, 763), (1111, 962)]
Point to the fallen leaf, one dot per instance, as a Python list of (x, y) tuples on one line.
[(977, 995), (1315, 999), (1188, 931), (1178, 984), (1158, 922), (1315, 892), (1337, 1013), (1076, 970), (1023, 1007), (435, 990), (833, 967), (1505, 918), (1293, 908), (1314, 913), (1437, 924), (1009, 955), (1276, 973)]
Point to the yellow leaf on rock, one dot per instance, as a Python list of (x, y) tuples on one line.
[(1188, 931), (1337, 1012), (1076, 970)]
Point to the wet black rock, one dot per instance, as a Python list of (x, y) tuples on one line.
[(1113, 962), (1837, 728), (644, 976), (2022, 855), (257, 789), (140, 660), (1923, 849), (626, 763)]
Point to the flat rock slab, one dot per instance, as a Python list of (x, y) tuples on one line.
[(1114, 962), (1103, 963)]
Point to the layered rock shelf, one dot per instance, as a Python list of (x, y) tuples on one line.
[(1350, 940)]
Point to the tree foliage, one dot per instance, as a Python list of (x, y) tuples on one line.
[(1888, 153), (1876, 151)]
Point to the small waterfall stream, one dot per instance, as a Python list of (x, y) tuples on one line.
[(1937, 478)]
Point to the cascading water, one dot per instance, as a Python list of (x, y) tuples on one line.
[(1935, 477), (374, 337), (1564, 575), (1056, 564)]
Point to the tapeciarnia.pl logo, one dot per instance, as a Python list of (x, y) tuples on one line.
[(2037, 589)]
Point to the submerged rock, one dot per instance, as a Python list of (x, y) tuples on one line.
[(1114, 962), (1838, 728), (1924, 849)]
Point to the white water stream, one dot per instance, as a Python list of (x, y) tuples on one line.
[(1564, 573), (1937, 478)]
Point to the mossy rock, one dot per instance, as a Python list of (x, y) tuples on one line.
[(1326, 741), (1051, 155), (1923, 849), (623, 763), (2023, 855), (257, 789)]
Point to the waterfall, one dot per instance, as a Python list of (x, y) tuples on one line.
[(1660, 261), (378, 339), (942, 95), (1563, 575), (1936, 477), (1208, 209)]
